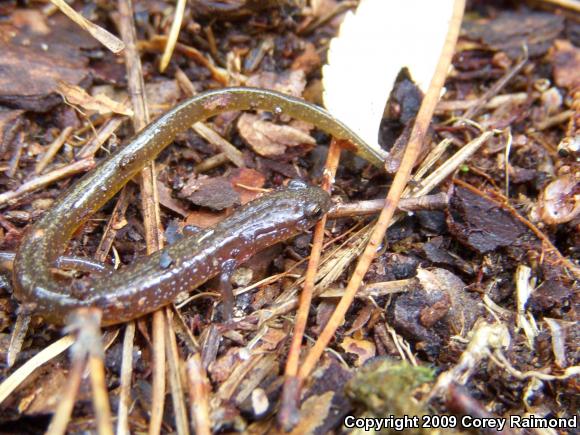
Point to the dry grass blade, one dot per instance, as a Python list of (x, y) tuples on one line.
[(96, 366), (173, 35), (174, 373), (18, 335), (210, 163), (334, 264), (53, 148), (15, 379), (228, 151), (157, 43), (126, 374), (558, 119), (114, 224), (158, 393), (61, 417), (331, 267), (497, 86), (150, 205), (289, 415), (107, 39), (376, 289), (41, 181), (85, 103), (232, 153), (88, 351), (199, 389), (500, 359), (573, 5), (399, 183), (16, 155), (493, 103), (106, 130), (451, 164)]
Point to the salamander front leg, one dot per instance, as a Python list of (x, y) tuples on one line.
[(226, 288)]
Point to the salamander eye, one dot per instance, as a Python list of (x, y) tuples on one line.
[(312, 210), (297, 184)]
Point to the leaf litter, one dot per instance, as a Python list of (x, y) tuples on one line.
[(485, 292)]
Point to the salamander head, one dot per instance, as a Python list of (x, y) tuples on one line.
[(311, 203), (276, 216)]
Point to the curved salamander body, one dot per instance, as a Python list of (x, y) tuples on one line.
[(155, 280)]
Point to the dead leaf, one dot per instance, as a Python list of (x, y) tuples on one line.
[(465, 307), (565, 59), (29, 76), (324, 311), (166, 199), (216, 193), (32, 20), (247, 182), (362, 318), (271, 339), (313, 412), (510, 30), (161, 95), (100, 103), (289, 83), (308, 61), (435, 312), (480, 223), (204, 219), (363, 349), (269, 139), (360, 104), (221, 368), (47, 394)]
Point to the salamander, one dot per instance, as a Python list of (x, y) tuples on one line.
[(155, 280), (64, 262)]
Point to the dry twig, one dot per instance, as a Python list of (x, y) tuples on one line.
[(23, 372), (105, 131), (175, 364), (199, 390), (107, 39), (173, 35), (150, 205), (41, 181), (437, 201), (411, 153), (289, 415), (53, 148), (125, 388)]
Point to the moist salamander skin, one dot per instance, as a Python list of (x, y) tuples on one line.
[(155, 280)]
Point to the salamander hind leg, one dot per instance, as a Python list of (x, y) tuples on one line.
[(226, 289)]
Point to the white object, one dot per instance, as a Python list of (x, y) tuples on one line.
[(373, 45)]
